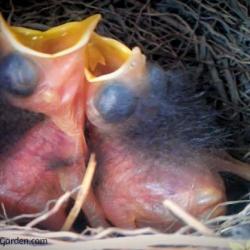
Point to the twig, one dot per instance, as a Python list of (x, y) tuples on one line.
[(55, 209), (82, 194), (187, 218)]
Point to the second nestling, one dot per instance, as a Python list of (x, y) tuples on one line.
[(161, 144)]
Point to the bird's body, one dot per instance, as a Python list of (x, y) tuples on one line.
[(29, 171), (161, 151), (132, 185), (42, 72)]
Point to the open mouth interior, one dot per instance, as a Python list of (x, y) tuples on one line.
[(105, 55), (61, 39), (53, 40)]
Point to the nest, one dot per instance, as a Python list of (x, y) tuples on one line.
[(208, 37)]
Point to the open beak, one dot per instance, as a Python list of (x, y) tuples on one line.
[(112, 65), (54, 42)]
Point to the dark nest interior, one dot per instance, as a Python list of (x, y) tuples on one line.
[(209, 38)]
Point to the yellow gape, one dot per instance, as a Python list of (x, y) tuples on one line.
[(56, 41)]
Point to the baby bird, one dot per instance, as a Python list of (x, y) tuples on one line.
[(158, 144)]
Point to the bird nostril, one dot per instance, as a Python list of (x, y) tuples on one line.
[(115, 102), (18, 75)]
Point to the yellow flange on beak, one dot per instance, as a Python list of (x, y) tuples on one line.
[(55, 42), (108, 59)]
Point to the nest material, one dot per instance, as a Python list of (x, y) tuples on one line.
[(146, 238), (208, 37)]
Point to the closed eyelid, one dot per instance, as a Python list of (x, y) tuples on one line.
[(18, 75), (115, 102)]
